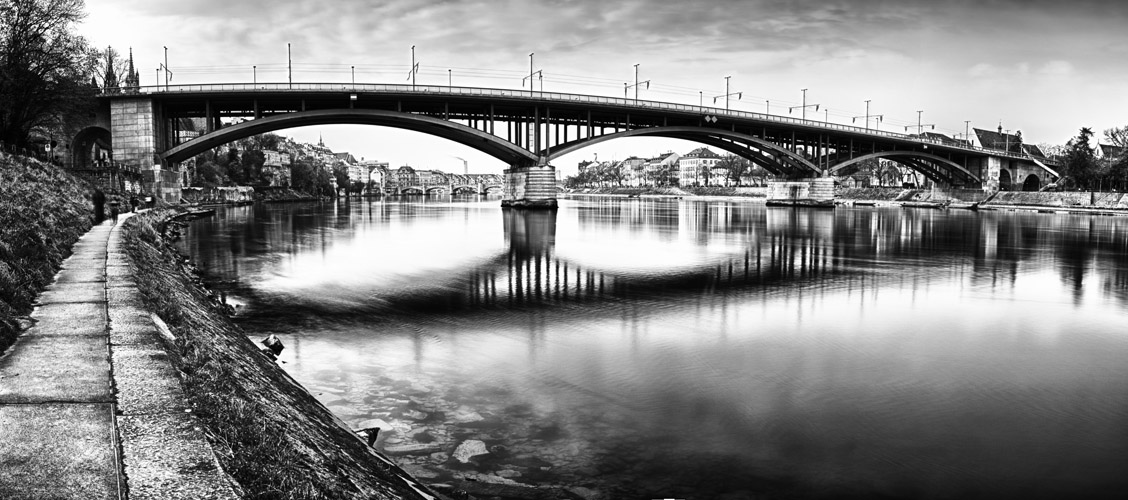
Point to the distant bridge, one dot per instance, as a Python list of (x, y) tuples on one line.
[(528, 130)]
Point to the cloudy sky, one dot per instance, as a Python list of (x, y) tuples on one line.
[(1046, 68)]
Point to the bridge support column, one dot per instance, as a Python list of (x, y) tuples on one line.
[(817, 192), (991, 174), (531, 186), (137, 132)]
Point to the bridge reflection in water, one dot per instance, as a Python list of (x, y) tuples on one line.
[(912, 352)]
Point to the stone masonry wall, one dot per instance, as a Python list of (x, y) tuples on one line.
[(529, 185), (820, 188), (134, 131)]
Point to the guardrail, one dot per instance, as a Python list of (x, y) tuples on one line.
[(544, 96)]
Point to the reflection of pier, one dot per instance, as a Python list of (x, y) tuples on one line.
[(755, 249), (530, 273)]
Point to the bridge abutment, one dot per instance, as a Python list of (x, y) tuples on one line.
[(531, 186), (137, 129)]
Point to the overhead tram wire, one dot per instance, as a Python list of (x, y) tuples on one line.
[(380, 70)]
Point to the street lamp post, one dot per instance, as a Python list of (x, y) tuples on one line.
[(166, 67), (767, 106), (967, 137), (289, 66), (254, 76), (450, 78), (353, 68)]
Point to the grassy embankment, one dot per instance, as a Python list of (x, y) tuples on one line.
[(43, 211), (270, 434)]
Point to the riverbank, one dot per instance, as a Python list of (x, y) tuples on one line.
[(43, 211), (1047, 202), (677, 192), (270, 435)]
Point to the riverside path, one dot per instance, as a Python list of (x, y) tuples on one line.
[(90, 406)]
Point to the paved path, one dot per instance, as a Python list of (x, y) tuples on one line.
[(90, 406)]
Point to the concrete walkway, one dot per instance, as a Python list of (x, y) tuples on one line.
[(90, 406)]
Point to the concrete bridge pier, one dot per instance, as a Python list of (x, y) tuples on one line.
[(530, 186), (817, 191)]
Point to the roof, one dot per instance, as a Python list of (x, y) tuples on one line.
[(1033, 150), (1112, 151), (998, 140), (701, 153)]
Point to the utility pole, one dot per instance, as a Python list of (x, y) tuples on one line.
[(867, 116), (414, 68), (804, 106), (920, 127), (636, 84), (530, 77), (727, 94)]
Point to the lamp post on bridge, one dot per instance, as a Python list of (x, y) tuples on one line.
[(531, 74), (254, 76), (289, 66), (920, 128), (414, 68), (767, 106), (636, 84), (967, 137), (739, 95), (804, 106), (867, 116), (353, 68)]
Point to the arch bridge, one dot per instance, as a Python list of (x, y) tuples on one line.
[(165, 125)]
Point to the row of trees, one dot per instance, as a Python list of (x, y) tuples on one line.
[(243, 164), (1083, 169)]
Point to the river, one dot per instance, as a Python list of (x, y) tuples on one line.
[(666, 348)]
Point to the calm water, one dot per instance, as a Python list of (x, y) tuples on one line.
[(673, 348)]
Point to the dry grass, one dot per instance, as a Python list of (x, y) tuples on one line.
[(43, 211)]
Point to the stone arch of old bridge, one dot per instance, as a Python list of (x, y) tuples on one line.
[(159, 126)]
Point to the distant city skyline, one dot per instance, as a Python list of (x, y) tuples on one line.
[(1044, 67)]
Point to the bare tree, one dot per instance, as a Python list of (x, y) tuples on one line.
[(45, 68)]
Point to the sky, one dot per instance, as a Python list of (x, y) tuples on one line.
[(1045, 67)]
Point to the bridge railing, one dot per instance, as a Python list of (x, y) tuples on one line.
[(555, 97)]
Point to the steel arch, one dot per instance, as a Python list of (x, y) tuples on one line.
[(462, 134), (893, 155), (687, 133)]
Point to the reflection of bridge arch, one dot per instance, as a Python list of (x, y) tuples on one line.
[(462, 134), (772, 157), (934, 167)]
